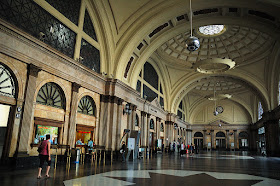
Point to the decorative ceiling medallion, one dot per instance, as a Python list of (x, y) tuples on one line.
[(211, 30), (219, 97), (213, 65)]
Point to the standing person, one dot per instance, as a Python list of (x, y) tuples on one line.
[(162, 147), (192, 149), (45, 155), (91, 150), (183, 151), (79, 142), (122, 151)]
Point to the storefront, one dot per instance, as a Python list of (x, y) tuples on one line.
[(85, 133)]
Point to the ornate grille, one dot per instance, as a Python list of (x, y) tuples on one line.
[(260, 111), (161, 127), (69, 9), (7, 84), (88, 26), (87, 106), (136, 120), (50, 94), (30, 17), (90, 55), (150, 75), (152, 124), (151, 95), (138, 86)]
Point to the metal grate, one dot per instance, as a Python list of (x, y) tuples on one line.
[(87, 106), (30, 17), (90, 55), (69, 8), (88, 26)]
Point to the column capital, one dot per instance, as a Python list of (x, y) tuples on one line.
[(234, 130), (75, 87), (158, 119), (120, 101), (148, 115), (104, 98), (33, 70), (143, 113), (169, 122), (227, 130)]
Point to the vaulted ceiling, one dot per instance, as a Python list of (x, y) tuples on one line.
[(156, 31)]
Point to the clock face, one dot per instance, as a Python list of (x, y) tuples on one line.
[(219, 109)]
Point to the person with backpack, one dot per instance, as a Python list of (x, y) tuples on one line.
[(91, 150), (44, 155)]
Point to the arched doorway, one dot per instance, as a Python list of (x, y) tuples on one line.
[(198, 140), (243, 140), (8, 96), (220, 141)]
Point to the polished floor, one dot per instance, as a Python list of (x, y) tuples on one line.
[(206, 168)]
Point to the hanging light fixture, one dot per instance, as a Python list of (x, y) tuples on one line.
[(215, 110), (192, 43)]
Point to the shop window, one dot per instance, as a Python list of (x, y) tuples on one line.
[(260, 110), (51, 95), (87, 106), (84, 133), (42, 131), (46, 126)]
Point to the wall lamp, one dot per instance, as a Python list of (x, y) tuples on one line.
[(127, 110)]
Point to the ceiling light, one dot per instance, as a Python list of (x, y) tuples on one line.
[(192, 43)]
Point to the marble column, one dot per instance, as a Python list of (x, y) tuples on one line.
[(147, 131), (227, 140), (113, 124), (189, 134), (235, 139), (212, 139), (28, 110), (253, 141), (119, 124), (143, 128), (204, 139), (272, 137), (104, 109), (157, 127), (73, 115)]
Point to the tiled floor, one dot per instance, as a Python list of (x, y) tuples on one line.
[(206, 168)]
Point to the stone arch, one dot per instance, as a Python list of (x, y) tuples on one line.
[(17, 77), (220, 134), (88, 99), (198, 134)]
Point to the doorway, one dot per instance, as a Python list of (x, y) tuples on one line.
[(220, 141), (4, 116)]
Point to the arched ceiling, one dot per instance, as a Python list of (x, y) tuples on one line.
[(158, 30)]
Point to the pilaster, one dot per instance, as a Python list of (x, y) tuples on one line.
[(28, 109), (73, 114)]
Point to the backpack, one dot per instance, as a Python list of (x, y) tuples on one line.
[(40, 148)]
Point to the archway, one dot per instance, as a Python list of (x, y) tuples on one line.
[(220, 141), (198, 140), (8, 96)]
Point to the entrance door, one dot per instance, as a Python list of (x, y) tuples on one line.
[(220, 144), (151, 140), (4, 116), (198, 143)]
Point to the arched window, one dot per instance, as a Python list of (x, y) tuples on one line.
[(181, 111), (152, 124), (198, 134), (260, 110), (87, 106), (149, 84), (161, 127), (243, 135), (220, 134), (50, 94), (7, 84), (136, 120)]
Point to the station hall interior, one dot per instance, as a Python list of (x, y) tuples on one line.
[(200, 77)]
